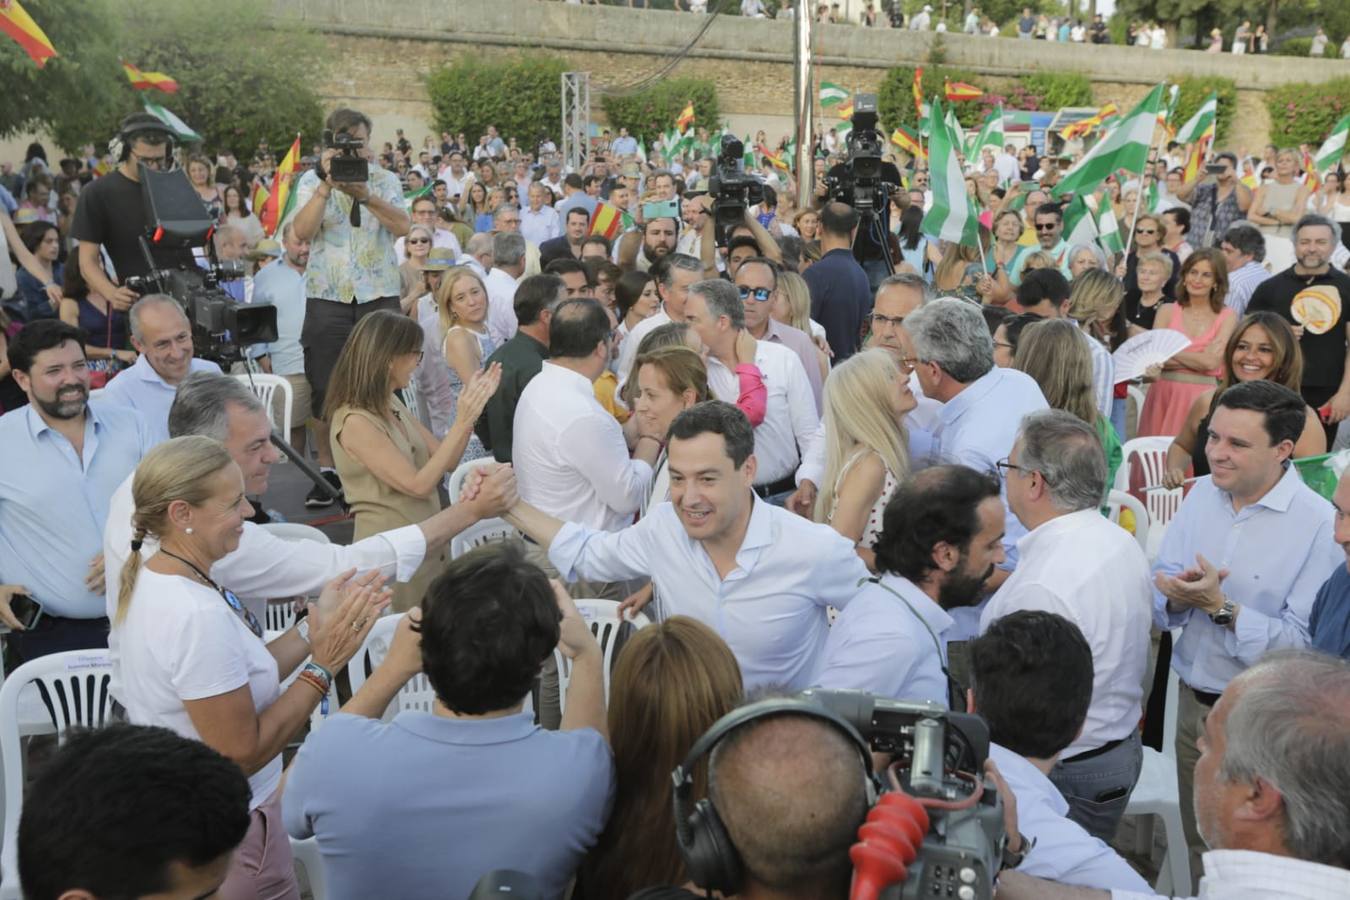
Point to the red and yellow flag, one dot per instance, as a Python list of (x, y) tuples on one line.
[(144, 81), (1310, 177), (772, 158), (686, 117), (1196, 161), (845, 110), (259, 198), (907, 142), (16, 23), (1083, 126), (918, 92), (606, 221), (281, 187), (959, 90)]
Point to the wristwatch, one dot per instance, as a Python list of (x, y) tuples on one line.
[(1011, 860), (1225, 614)]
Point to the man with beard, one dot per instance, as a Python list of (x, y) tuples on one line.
[(942, 536), (659, 234), (63, 459), (1076, 563)]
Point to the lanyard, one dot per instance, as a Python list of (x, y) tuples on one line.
[(230, 599), (956, 692)]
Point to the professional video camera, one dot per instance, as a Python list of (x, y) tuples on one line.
[(348, 166), (939, 762), (178, 222), (865, 182), (733, 191)]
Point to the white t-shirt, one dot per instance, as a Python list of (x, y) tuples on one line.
[(181, 641)]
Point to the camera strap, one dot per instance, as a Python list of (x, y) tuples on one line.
[(956, 692)]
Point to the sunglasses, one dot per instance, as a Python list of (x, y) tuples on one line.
[(1146, 231), (1043, 226), (760, 294), (418, 241)]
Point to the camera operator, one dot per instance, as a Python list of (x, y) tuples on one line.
[(865, 182), (351, 227), (110, 214)]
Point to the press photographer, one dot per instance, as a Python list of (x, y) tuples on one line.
[(351, 211), (111, 216)]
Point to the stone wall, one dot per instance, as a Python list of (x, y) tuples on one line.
[(388, 45)]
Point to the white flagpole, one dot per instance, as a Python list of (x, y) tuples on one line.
[(1139, 198)]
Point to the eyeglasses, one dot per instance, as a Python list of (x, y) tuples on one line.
[(1010, 347), (1046, 226), (760, 294), (1003, 465), (150, 162), (908, 363), (879, 320)]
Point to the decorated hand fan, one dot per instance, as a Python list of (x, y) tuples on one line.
[(1317, 308), (1152, 348)]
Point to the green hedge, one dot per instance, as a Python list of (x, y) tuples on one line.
[(1194, 90), (1058, 89), (1296, 47), (895, 98), (650, 113), (522, 96), (1305, 113)]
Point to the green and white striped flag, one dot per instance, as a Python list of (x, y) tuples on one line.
[(1108, 230), (1333, 148), (1080, 226), (832, 94), (956, 130), (991, 134), (642, 150), (1125, 147), (1205, 117), (951, 216), (179, 127), (749, 156)]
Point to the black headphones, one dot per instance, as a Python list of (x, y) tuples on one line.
[(137, 125), (710, 858)]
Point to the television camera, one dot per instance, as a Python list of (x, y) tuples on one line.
[(733, 190)]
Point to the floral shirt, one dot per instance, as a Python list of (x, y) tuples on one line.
[(349, 264)]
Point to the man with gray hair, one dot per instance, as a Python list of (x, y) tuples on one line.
[(1272, 788), (983, 404), (265, 567), (508, 267), (162, 334), (674, 273), (478, 254), (506, 218), (1078, 564), (1244, 249)]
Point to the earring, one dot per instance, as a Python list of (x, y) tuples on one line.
[(188, 529)]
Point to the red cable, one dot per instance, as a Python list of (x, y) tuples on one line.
[(889, 840)]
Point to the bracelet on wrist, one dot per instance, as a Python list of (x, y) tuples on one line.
[(314, 681), (318, 670)]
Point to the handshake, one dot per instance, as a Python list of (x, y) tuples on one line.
[(490, 490)]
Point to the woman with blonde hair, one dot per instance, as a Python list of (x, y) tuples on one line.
[(190, 657), (411, 282), (672, 681), (390, 464), (792, 306), (807, 223), (1054, 353), (1095, 303), (463, 303), (669, 380), (866, 445)]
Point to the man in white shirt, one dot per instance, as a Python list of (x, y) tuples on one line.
[(539, 222), (456, 176), (282, 284), (674, 273), (162, 334), (1241, 563), (265, 567), (1032, 682), (508, 267), (424, 212), (1268, 789), (569, 453), (1244, 249), (714, 310), (1006, 164), (941, 538), (759, 576), (757, 283), (1078, 564)]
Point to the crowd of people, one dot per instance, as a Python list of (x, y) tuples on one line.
[(804, 469)]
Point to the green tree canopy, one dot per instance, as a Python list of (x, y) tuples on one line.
[(520, 95), (651, 112)]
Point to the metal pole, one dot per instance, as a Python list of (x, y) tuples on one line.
[(803, 102)]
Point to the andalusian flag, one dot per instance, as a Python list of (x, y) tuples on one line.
[(954, 127), (917, 88), (20, 26), (748, 153), (1202, 123), (959, 90), (423, 191), (606, 221), (686, 117), (831, 94), (272, 214), (179, 127), (1169, 110), (1333, 148), (145, 81), (1124, 147), (951, 216), (908, 142), (642, 150), (1108, 230), (991, 133), (1084, 126), (1080, 225)]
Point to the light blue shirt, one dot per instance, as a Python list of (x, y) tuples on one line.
[(1060, 252), (1063, 851), (279, 284), (1277, 551), (888, 645), (463, 797), (141, 388), (7, 200), (54, 503), (770, 609), (624, 146)]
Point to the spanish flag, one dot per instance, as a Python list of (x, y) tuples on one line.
[(907, 142), (845, 110), (274, 211), (16, 23), (918, 92), (1084, 126), (959, 90), (607, 221), (1197, 157), (686, 117), (144, 81), (260, 195), (772, 158)]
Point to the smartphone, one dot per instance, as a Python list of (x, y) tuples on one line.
[(26, 610), (1214, 169)]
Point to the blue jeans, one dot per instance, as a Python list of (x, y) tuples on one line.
[(1118, 410), (1098, 788)]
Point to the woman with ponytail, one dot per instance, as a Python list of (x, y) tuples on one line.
[(190, 657)]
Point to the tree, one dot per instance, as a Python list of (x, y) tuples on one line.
[(649, 113), (521, 96)]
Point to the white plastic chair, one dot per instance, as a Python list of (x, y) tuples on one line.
[(603, 616), (73, 687), (486, 531), (295, 531), (416, 694), (306, 853), (1155, 794), (1280, 253), (1118, 500), (1136, 393), (266, 387), (1162, 504), (455, 483)]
